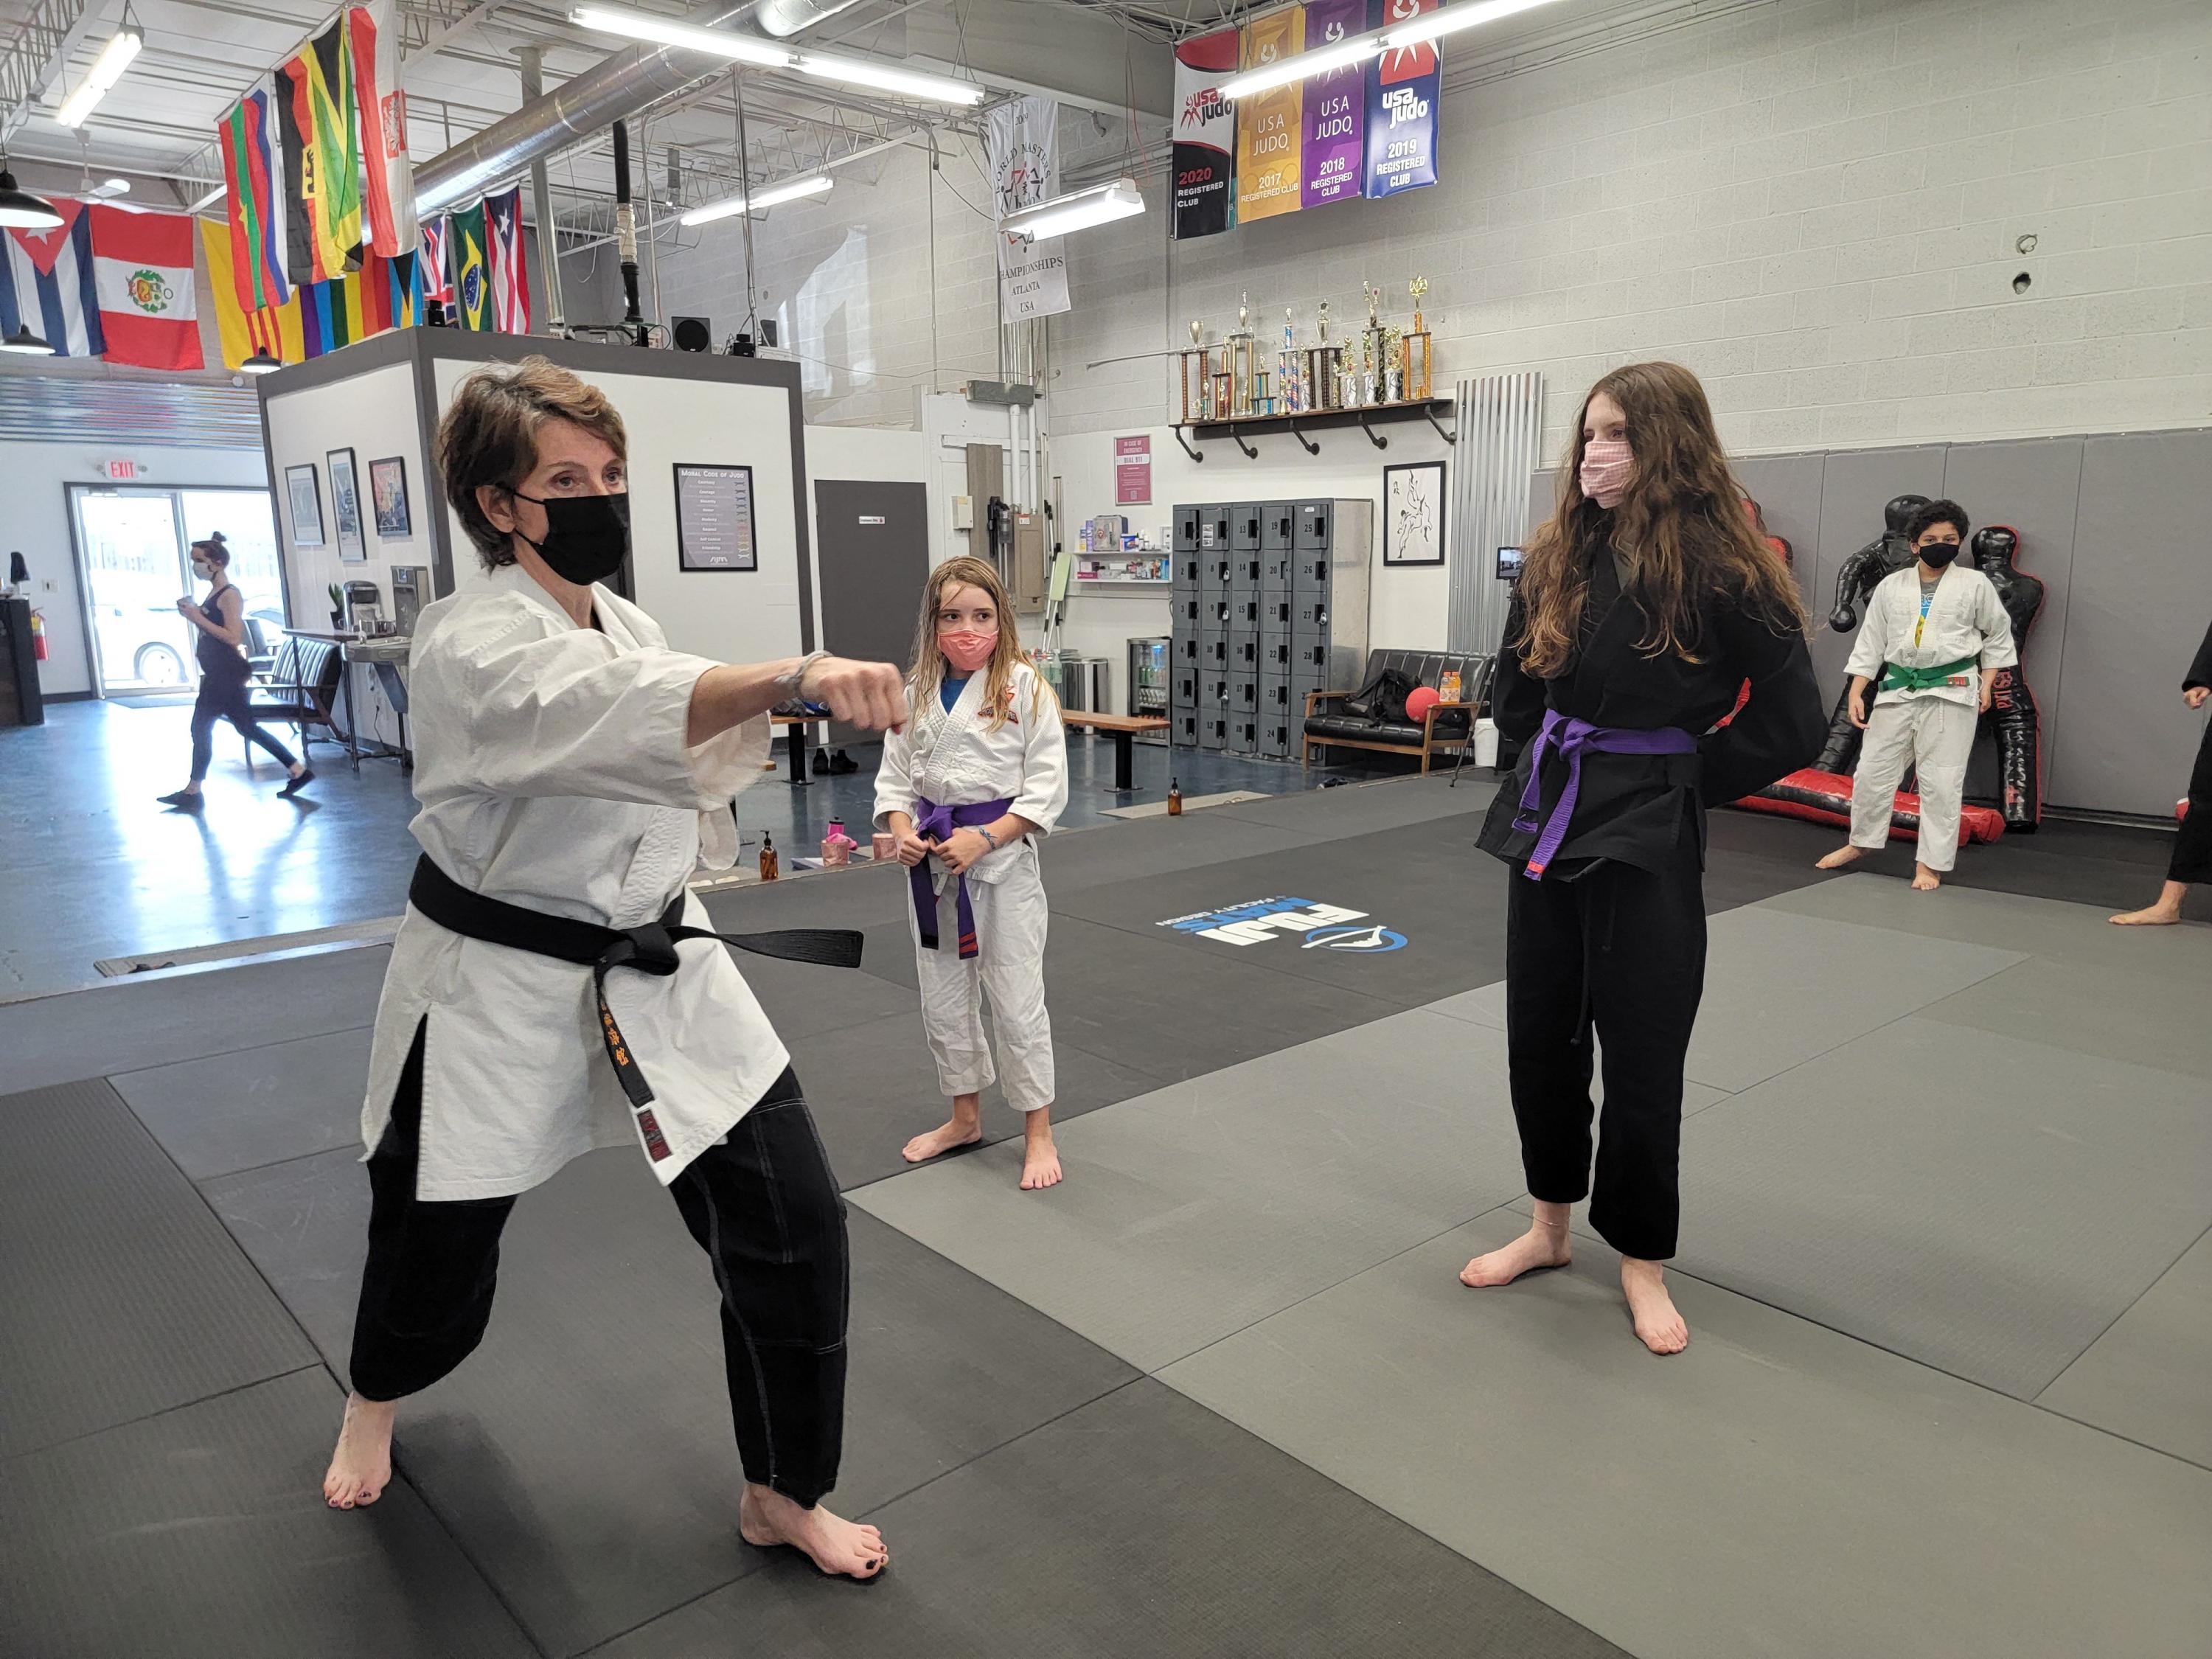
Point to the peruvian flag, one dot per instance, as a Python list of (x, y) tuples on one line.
[(143, 271)]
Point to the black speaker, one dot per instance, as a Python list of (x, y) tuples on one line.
[(768, 332), (692, 334), (741, 345)]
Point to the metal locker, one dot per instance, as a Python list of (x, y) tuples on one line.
[(1315, 520), (1213, 651), (1186, 530), (1310, 571), (1243, 735), (1275, 652), (1183, 687), (1309, 615), (1278, 524), (1186, 728), (1276, 565), (1244, 527), (1213, 730)]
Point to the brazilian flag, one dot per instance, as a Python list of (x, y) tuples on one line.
[(468, 241)]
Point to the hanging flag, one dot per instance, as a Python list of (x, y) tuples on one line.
[(271, 331), (330, 314), (46, 284), (143, 273), (1024, 152), (471, 269), (322, 158), (437, 276), (391, 292), (1403, 88), (1335, 109), (1271, 127), (255, 177), (1205, 152), (509, 265), (373, 42)]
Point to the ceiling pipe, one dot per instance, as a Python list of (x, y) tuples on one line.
[(586, 105)]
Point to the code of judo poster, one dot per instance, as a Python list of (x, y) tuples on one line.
[(1403, 88), (1335, 108), (1205, 136)]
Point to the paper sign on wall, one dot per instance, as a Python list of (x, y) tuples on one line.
[(1133, 471), (1271, 126)]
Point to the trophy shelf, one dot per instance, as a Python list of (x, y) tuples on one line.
[(1365, 417)]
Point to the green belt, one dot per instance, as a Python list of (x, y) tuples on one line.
[(1896, 678)]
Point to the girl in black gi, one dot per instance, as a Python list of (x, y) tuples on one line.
[(1643, 608), (2192, 849)]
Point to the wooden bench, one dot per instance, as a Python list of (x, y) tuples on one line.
[(1328, 727), (1123, 729)]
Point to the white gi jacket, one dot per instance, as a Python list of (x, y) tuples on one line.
[(1965, 619), (955, 758), (551, 767)]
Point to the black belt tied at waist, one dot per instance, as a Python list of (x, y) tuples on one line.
[(650, 949)]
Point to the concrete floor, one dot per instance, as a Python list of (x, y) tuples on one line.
[(101, 870)]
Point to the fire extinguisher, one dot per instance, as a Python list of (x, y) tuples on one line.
[(39, 636)]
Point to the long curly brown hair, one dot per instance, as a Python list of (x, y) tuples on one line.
[(1682, 526)]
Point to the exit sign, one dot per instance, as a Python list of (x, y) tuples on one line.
[(118, 469)]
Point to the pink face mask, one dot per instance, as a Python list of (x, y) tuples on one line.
[(967, 650), (1606, 465)]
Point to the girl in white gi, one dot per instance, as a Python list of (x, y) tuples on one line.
[(551, 989), (981, 773), (1936, 634)]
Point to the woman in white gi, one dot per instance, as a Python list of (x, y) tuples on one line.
[(967, 789), (572, 769), (1936, 634)]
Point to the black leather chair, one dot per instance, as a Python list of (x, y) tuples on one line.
[(302, 689), (1449, 726)]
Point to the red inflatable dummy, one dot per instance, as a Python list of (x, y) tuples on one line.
[(1825, 798)]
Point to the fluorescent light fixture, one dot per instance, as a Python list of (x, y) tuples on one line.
[(1417, 31), (860, 72), (1302, 67), (815, 184), (106, 70), (1077, 211), (21, 211), (24, 343), (668, 32)]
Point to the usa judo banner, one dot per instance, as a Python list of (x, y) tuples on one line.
[(1271, 127), (46, 284), (1025, 150), (373, 44), (1335, 109), (253, 177), (1204, 157), (143, 273), (1403, 89)]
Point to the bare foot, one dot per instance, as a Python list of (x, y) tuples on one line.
[(1040, 1158), (361, 1466), (1544, 1245), (1661, 1329), (2156, 915), (766, 1518), (1925, 880), (941, 1141), (1843, 857)]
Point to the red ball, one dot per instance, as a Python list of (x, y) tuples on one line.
[(1419, 701)]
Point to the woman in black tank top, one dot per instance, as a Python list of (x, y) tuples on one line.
[(220, 621)]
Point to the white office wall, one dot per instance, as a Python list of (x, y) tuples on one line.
[(37, 523)]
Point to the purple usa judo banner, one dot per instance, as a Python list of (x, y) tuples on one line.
[(1403, 94), (1336, 115)]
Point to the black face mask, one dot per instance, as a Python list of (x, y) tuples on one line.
[(587, 537), (1936, 555)]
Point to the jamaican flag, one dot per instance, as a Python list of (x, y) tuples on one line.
[(322, 157)]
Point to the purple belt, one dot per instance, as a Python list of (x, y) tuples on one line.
[(1571, 738), (935, 823)]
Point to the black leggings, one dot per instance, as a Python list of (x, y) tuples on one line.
[(1624, 949), (763, 1205), (229, 700), (2192, 849)]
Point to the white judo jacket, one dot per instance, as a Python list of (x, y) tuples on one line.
[(955, 758), (552, 771), (1965, 619)]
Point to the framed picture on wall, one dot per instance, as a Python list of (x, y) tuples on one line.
[(714, 518), (387, 492), (1414, 512), (345, 506), (306, 497)]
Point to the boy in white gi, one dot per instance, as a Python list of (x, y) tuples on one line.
[(967, 786), (1936, 634)]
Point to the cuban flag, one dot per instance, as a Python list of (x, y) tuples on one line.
[(46, 284)]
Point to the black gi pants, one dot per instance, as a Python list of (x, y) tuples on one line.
[(1623, 948), (2192, 849), (763, 1205), (223, 699)]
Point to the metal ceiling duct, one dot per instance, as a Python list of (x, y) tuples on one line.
[(590, 103)]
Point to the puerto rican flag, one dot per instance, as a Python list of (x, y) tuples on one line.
[(142, 270), (46, 284), (510, 276)]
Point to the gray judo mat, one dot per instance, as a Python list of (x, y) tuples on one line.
[(2144, 1378), (123, 1296), (1139, 1524), (247, 1107)]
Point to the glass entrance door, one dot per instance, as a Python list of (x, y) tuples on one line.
[(132, 551)]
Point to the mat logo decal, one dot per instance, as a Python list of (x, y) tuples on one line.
[(1258, 920)]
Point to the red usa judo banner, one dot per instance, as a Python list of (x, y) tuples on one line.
[(1403, 88), (1205, 156)]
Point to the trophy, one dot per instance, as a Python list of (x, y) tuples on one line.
[(1373, 350), (1243, 364), (1324, 367), (1290, 379), (1196, 376), (1419, 350)]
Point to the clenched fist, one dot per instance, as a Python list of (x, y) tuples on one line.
[(869, 695)]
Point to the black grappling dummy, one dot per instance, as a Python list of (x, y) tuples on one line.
[(2012, 719), (1855, 582), (1643, 608)]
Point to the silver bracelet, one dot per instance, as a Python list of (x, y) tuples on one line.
[(795, 681)]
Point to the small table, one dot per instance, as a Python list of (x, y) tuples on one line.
[(387, 654), (796, 740), (1123, 729)]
